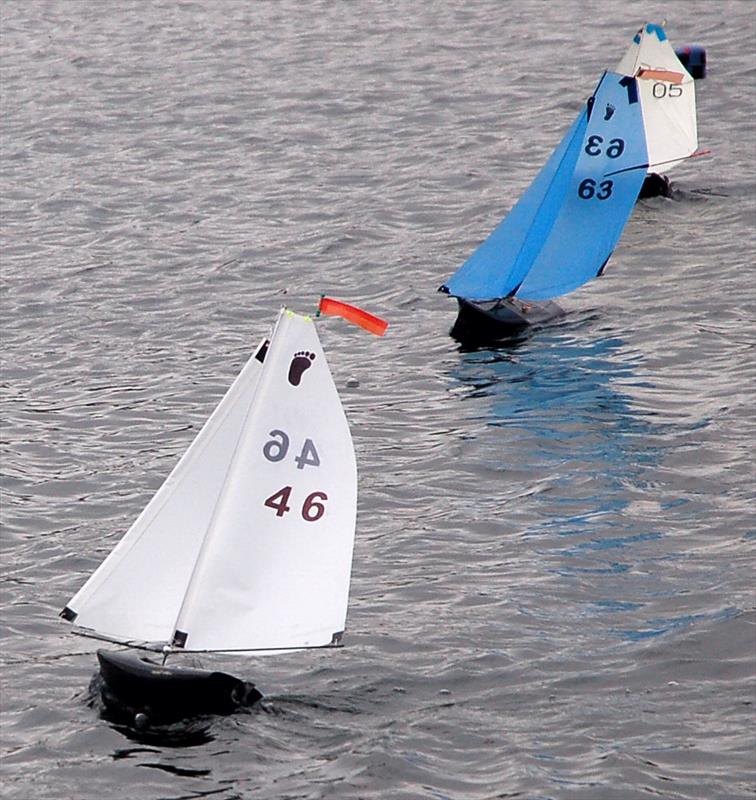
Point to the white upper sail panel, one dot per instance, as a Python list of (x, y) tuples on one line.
[(275, 566), (667, 96), (136, 593)]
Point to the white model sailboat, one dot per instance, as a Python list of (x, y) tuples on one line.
[(246, 547)]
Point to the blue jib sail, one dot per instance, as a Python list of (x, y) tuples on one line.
[(563, 229)]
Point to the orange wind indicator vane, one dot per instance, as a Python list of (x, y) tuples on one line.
[(352, 314), (660, 75)]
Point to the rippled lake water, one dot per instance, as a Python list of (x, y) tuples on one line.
[(553, 591)]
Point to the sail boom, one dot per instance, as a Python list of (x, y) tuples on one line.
[(626, 169), (165, 647), (697, 154), (269, 650), (153, 647)]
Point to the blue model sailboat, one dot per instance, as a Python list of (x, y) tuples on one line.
[(563, 229)]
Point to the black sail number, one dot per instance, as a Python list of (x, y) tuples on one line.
[(614, 149), (605, 190), (593, 147), (660, 90), (587, 189)]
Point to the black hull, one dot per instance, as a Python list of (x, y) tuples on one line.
[(135, 685), (493, 320), (655, 186)]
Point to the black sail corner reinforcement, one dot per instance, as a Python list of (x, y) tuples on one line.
[(69, 615), (179, 639), (262, 351), (589, 105), (632, 88)]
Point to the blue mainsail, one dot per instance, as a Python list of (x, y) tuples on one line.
[(563, 229)]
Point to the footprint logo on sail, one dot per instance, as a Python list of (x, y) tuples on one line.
[(300, 363)]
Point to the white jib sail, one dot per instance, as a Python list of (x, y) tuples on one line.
[(248, 543), (667, 96), (137, 592)]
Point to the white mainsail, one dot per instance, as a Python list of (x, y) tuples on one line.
[(248, 544), (667, 97)]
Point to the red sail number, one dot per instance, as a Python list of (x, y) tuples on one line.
[(279, 500), (313, 507), (312, 510)]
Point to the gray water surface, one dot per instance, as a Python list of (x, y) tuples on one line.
[(553, 585)]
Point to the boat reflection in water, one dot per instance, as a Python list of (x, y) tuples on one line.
[(577, 488)]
